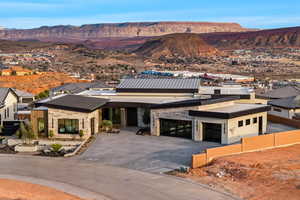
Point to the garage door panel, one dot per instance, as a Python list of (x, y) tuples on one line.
[(212, 132), (176, 128)]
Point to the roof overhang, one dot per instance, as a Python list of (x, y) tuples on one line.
[(228, 115)]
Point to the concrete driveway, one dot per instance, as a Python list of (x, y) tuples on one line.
[(144, 153)]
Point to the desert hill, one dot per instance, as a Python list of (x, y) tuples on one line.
[(284, 37), (174, 45)]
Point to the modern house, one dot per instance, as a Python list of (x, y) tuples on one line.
[(8, 104), (224, 120), (286, 107)]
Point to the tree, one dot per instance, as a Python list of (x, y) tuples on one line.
[(43, 95)]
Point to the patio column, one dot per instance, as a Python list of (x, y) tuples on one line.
[(197, 130), (123, 117)]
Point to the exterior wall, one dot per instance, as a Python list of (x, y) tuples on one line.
[(11, 106), (235, 133), (55, 114)]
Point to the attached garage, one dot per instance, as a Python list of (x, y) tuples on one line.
[(176, 128), (212, 132)]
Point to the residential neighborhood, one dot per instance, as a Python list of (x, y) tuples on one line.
[(149, 100)]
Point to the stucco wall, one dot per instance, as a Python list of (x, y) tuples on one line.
[(55, 114), (235, 133), (11, 106)]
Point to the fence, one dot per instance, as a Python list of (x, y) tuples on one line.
[(247, 145), (282, 120)]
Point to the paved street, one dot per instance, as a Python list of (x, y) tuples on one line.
[(145, 153), (97, 181)]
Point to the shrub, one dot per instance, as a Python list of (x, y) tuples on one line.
[(18, 134), (51, 134), (56, 147), (81, 133), (107, 124)]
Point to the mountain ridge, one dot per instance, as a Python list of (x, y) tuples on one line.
[(128, 29)]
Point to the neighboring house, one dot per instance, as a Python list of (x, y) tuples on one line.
[(222, 120), (286, 107), (24, 97), (16, 70), (8, 104), (284, 92), (75, 88)]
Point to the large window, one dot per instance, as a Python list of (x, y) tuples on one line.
[(68, 126)]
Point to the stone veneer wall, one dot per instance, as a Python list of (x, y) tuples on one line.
[(55, 114)]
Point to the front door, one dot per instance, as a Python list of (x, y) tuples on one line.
[(260, 125), (93, 126), (132, 117)]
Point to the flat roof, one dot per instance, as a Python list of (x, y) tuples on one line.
[(76, 103), (230, 111)]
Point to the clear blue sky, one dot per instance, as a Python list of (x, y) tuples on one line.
[(249, 13)]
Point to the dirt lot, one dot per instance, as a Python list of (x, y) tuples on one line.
[(16, 190), (37, 83), (271, 174)]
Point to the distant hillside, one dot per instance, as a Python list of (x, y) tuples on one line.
[(285, 37), (173, 45), (123, 30)]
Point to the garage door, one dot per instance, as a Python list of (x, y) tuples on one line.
[(176, 128), (212, 132)]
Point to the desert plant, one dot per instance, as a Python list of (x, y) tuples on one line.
[(18, 134), (81, 133), (56, 147), (27, 133), (107, 125), (51, 134)]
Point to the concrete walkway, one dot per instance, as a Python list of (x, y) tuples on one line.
[(92, 180)]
